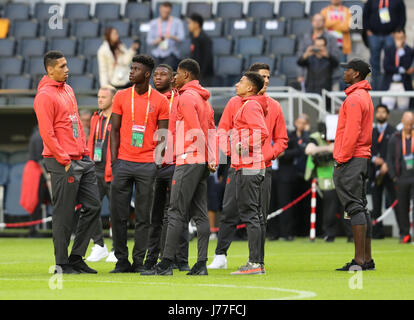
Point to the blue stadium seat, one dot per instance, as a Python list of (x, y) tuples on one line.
[(18, 82), (18, 157), (288, 66), (317, 6), (76, 65), (93, 67), (204, 9), (176, 9), (247, 46), (55, 33), (24, 29), (13, 191), (229, 9), (222, 46), (122, 26), (34, 66), (7, 47), (281, 45), (299, 26), (41, 11), (292, 9), (17, 11), (261, 9), (271, 27), (4, 157), (350, 3), (85, 28), (4, 174), (213, 28), (228, 65), (81, 82), (104, 11), (185, 48), (89, 46), (278, 80), (77, 11), (140, 29), (32, 47), (128, 41), (270, 60), (240, 27), (11, 65), (66, 45), (138, 11)]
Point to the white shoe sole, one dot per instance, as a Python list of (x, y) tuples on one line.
[(211, 266), (98, 258)]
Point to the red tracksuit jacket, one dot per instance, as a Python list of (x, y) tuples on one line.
[(54, 104), (354, 131)]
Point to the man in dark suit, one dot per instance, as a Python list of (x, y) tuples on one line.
[(379, 177), (398, 59)]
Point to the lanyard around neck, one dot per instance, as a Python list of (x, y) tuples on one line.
[(171, 100), (133, 105), (105, 129), (167, 31), (404, 147), (382, 2)]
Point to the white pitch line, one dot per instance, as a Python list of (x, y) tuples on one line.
[(300, 294)]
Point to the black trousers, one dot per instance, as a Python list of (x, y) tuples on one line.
[(104, 190), (333, 215), (78, 185), (377, 192), (159, 219), (188, 195), (265, 194), (126, 175), (405, 192), (284, 223)]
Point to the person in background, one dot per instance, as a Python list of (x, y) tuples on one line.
[(380, 19), (201, 48), (379, 176), (99, 147), (400, 161), (320, 165), (114, 60), (85, 118), (164, 37), (398, 59)]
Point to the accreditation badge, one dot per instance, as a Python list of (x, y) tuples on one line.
[(384, 15), (137, 139), (164, 45), (97, 151), (75, 126), (409, 161)]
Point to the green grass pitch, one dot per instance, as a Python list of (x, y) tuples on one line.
[(294, 270)]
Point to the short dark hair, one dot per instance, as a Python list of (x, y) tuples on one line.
[(256, 79), (382, 106), (50, 57), (255, 67), (166, 66), (197, 18), (146, 60), (166, 4), (191, 66), (322, 38)]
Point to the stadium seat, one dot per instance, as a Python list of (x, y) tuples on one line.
[(55, 33), (41, 11), (77, 11), (87, 101), (229, 65), (107, 11), (229, 10), (204, 9), (32, 47), (76, 65), (140, 29), (13, 191), (185, 48), (18, 157), (7, 47), (18, 82), (292, 9), (122, 26), (240, 27), (85, 28), (89, 46), (299, 26), (34, 66), (4, 174), (247, 46), (261, 9), (281, 45), (271, 27), (213, 28), (222, 46), (11, 65), (176, 9), (66, 45), (350, 3), (270, 60), (92, 67), (24, 29), (81, 82), (317, 6), (128, 41), (4, 157), (277, 81), (17, 11), (138, 11), (288, 66)]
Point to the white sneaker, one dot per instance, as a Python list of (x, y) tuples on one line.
[(111, 257), (98, 253), (219, 262), (213, 236)]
